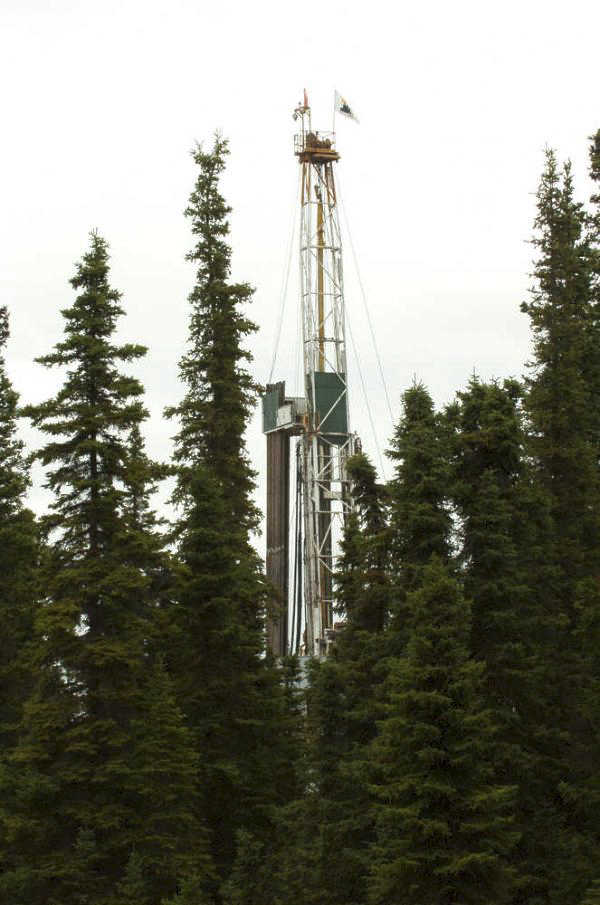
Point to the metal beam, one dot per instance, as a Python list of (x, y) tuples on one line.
[(278, 540)]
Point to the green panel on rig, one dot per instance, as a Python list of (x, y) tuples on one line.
[(332, 405), (271, 401)]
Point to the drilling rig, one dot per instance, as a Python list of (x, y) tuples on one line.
[(318, 422)]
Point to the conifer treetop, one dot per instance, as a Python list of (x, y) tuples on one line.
[(97, 405), (14, 479), (220, 391), (209, 212)]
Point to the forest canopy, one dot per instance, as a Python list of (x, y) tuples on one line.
[(154, 752)]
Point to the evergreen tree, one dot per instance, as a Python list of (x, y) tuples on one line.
[(246, 884), (18, 559), (72, 769), (443, 819), (591, 362), (191, 892), (170, 840), (592, 896), (560, 399), (421, 522), (221, 394), (487, 471), (133, 888), (562, 407), (342, 701), (223, 685), (506, 562), (83, 878)]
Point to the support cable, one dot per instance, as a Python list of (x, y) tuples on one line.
[(366, 399), (366, 307), (296, 620), (298, 571), (292, 623), (284, 286)]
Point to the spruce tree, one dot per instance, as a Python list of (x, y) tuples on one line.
[(72, 769), (592, 896), (421, 522), (18, 559), (86, 881), (247, 881), (506, 555), (222, 683), (487, 470), (560, 400), (133, 888), (191, 891), (561, 404), (220, 392), (171, 842), (342, 700), (591, 363), (443, 819)]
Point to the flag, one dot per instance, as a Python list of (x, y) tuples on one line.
[(342, 106), (305, 99)]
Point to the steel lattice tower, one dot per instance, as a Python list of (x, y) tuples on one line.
[(320, 419)]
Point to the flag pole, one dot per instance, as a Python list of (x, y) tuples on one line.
[(333, 129)]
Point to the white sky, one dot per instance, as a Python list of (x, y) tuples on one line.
[(102, 102)]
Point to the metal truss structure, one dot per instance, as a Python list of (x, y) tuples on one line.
[(321, 419)]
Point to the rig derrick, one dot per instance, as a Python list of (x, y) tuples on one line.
[(319, 421)]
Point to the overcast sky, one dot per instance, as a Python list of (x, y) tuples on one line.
[(102, 101)]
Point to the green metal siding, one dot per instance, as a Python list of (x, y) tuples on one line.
[(270, 404), (329, 388)]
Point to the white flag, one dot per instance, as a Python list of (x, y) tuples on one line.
[(342, 106)]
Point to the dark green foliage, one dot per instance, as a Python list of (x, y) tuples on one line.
[(591, 364), (246, 883), (561, 401), (191, 892), (420, 518), (444, 824), (445, 753), (342, 706), (14, 480), (562, 405), (134, 887), (18, 560), (220, 391), (421, 522), (363, 580), (230, 695), (171, 839), (215, 664), (592, 896), (81, 765), (512, 632), (86, 879), (488, 449)]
